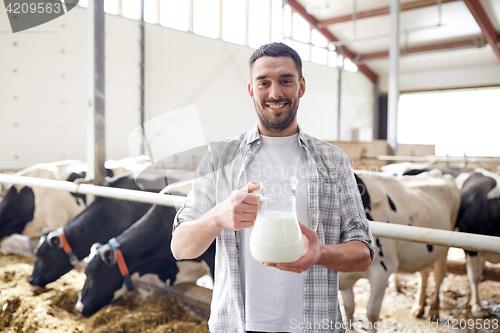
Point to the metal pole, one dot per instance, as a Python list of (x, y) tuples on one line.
[(96, 148), (393, 84), (143, 82), (339, 100), (101, 191), (466, 241)]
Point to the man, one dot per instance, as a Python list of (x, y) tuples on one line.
[(249, 296)]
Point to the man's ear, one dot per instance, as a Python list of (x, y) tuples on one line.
[(302, 86), (250, 89)]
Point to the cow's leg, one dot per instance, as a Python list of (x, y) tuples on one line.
[(349, 305), (378, 282), (439, 274), (475, 274), (398, 284), (418, 309)]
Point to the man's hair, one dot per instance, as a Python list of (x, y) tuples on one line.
[(277, 50)]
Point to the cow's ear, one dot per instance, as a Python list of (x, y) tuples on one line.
[(108, 256), (46, 231)]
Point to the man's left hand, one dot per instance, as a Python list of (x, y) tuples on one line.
[(310, 255)]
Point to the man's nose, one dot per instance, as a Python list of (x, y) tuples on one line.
[(275, 91)]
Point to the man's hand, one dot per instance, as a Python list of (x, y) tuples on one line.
[(352, 256), (239, 210), (310, 255)]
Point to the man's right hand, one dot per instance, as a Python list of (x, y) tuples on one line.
[(239, 210)]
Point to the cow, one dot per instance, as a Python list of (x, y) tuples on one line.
[(427, 200), (479, 214), (103, 219), (28, 210), (146, 249)]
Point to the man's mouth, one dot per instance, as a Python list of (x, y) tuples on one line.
[(277, 107)]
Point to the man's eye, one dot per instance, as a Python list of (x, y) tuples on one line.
[(263, 84), (286, 81)]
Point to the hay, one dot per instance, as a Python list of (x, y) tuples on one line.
[(24, 308)]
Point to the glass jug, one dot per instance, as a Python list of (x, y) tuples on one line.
[(276, 236)]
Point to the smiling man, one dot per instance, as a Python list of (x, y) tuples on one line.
[(249, 296)]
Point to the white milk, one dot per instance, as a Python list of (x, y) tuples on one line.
[(276, 238)]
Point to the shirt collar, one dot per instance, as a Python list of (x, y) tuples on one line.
[(254, 135)]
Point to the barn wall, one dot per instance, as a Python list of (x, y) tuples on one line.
[(446, 79), (43, 88)]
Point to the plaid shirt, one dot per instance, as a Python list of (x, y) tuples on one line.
[(337, 216)]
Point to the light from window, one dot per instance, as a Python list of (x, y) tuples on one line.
[(318, 39), (150, 11), (111, 6), (332, 59), (206, 18), (277, 21), (349, 65), (233, 21), (303, 50), (287, 23), (175, 14), (340, 61), (84, 3), (319, 55), (457, 122), (131, 9), (258, 25), (301, 29)]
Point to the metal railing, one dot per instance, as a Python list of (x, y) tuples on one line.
[(466, 241)]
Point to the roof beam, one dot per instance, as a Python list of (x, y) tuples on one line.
[(297, 7), (440, 46), (489, 32), (382, 11)]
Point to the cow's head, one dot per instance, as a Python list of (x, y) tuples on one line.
[(16, 209), (51, 261), (103, 279)]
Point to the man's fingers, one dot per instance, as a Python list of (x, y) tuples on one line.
[(250, 187)]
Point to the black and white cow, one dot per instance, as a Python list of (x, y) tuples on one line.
[(28, 210), (146, 249), (427, 200), (103, 219), (479, 214)]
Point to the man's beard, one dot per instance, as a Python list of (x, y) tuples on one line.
[(283, 121)]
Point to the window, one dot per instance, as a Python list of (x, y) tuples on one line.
[(349, 65), (319, 52), (301, 29), (277, 21), (206, 18), (332, 59), (258, 25), (150, 11), (457, 122), (111, 6), (131, 9), (233, 21), (287, 21), (175, 14)]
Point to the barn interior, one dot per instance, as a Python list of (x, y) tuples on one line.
[(388, 81)]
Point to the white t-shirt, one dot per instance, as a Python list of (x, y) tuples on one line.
[(273, 298)]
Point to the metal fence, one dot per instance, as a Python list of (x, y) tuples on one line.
[(466, 241)]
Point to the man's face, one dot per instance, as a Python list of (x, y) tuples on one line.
[(276, 89)]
